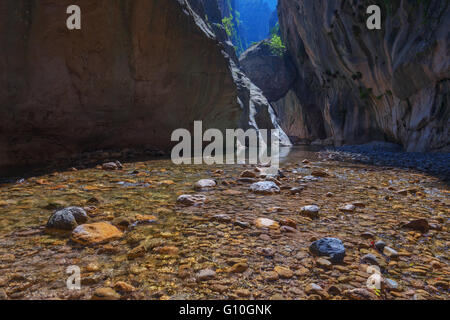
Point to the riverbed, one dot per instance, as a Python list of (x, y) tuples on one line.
[(222, 237)]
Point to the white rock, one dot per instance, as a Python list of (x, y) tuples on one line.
[(265, 187), (204, 184), (191, 200)]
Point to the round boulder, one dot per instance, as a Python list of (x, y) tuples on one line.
[(67, 218), (265, 187), (331, 247)]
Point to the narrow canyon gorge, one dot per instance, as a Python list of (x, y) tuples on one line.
[(140, 69)]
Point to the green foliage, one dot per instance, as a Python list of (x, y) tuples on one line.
[(232, 25), (276, 45), (228, 24), (275, 30)]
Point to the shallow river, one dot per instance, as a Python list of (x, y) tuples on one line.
[(222, 237)]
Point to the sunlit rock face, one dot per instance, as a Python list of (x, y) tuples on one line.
[(275, 74), (390, 84), (133, 73)]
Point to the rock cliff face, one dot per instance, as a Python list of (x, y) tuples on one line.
[(275, 75), (257, 111), (136, 71), (361, 85)]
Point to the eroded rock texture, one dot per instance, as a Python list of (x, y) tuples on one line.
[(276, 75), (273, 73), (136, 71), (360, 85)]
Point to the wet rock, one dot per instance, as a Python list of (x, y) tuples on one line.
[(359, 294), (191, 200), (222, 218), (238, 268), (267, 252), (287, 229), (121, 222), (349, 208), (183, 272), (8, 258), (265, 237), (420, 225), (248, 174), (145, 218), (370, 259), (242, 224), (379, 245), (283, 272), (265, 187), (232, 192), (247, 180), (331, 247), (243, 293), (275, 209), (319, 173), (289, 223), (358, 204), (108, 249), (323, 263), (329, 194), (137, 252), (367, 235), (311, 211), (111, 166), (391, 284), (205, 184), (205, 274), (105, 294), (67, 219), (296, 190), (309, 179), (167, 250), (95, 233), (334, 290), (270, 276), (122, 286), (436, 265), (434, 226), (266, 223), (391, 253), (313, 288)]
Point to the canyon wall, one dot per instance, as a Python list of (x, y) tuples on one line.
[(136, 71), (355, 85)]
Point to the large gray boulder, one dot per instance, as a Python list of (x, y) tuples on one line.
[(272, 72), (67, 218)]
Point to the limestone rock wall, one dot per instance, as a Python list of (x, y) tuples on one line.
[(390, 84), (136, 71)]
